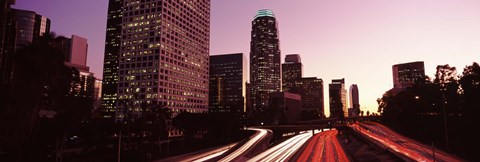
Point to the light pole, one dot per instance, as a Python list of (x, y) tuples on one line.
[(445, 117)]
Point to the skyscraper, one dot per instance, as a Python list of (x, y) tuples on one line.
[(163, 55), (74, 48), (292, 70), (75, 52), (228, 75), (311, 90), (19, 28), (338, 98), (5, 56), (354, 99), (265, 73), (30, 26), (112, 54), (408, 74), (4, 12)]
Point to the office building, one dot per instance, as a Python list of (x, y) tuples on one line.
[(228, 75), (311, 90), (5, 45), (285, 108), (75, 51), (338, 98), (265, 73), (30, 26), (19, 28), (292, 70), (163, 55), (97, 97), (354, 101), (408, 74), (111, 56), (85, 86)]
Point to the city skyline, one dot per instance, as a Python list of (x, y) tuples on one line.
[(435, 32)]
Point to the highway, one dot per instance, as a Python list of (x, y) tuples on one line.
[(238, 153), (284, 150), (323, 147), (209, 154), (400, 144)]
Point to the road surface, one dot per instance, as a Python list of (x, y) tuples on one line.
[(284, 150), (400, 144), (208, 154), (255, 139), (323, 147)]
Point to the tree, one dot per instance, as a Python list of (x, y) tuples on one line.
[(470, 86), (445, 74), (40, 83)]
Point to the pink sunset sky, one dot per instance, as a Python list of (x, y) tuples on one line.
[(351, 39)]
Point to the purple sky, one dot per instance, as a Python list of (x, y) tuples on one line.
[(351, 39)]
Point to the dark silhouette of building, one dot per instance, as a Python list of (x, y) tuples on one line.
[(6, 44), (250, 115), (408, 74), (228, 75), (265, 74), (285, 108), (19, 28), (338, 98), (354, 101), (75, 50), (292, 70), (163, 55), (311, 90), (110, 61), (30, 26)]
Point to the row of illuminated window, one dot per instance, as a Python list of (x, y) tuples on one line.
[(132, 81)]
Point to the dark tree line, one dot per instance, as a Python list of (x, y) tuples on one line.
[(37, 106), (431, 111)]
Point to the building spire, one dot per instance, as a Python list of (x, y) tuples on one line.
[(264, 12)]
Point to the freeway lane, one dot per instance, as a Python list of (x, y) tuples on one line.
[(210, 154), (202, 155), (324, 146), (261, 133), (400, 144), (284, 150)]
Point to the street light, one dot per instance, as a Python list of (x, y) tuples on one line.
[(445, 116)]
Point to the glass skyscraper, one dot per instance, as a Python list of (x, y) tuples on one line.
[(110, 61), (338, 98), (228, 75), (292, 70), (265, 73)]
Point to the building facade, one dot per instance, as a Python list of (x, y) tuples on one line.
[(228, 75), (30, 26), (408, 74), (6, 45), (285, 108), (19, 28), (338, 98), (311, 90), (354, 101), (75, 50), (265, 72), (111, 56), (292, 70), (163, 56)]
